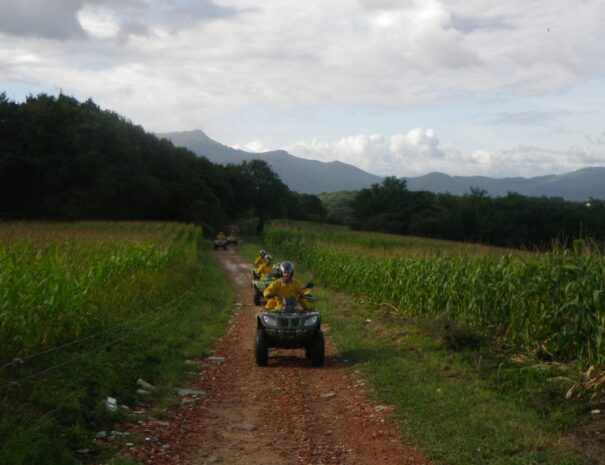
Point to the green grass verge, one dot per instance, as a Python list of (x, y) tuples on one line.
[(464, 407), (47, 419)]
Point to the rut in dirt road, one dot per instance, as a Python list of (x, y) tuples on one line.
[(288, 413)]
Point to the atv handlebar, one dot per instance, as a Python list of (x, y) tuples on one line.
[(300, 296)]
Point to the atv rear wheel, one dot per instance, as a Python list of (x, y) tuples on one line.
[(261, 348), (317, 349)]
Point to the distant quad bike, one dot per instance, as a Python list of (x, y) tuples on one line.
[(289, 328), (231, 240), (258, 286), (220, 244)]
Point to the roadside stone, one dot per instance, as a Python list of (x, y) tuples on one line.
[(101, 435), (142, 392), (245, 426), (328, 395), (191, 362), (212, 459), (119, 433), (185, 392), (145, 385), (215, 358), (381, 408)]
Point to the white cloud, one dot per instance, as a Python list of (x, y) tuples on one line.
[(418, 152), (378, 154), (417, 142), (98, 22), (256, 146), (198, 59)]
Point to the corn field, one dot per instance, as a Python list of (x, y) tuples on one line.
[(552, 302), (59, 282)]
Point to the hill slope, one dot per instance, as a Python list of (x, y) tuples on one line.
[(299, 174), (577, 185)]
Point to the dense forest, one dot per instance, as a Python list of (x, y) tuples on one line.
[(65, 160), (514, 220)]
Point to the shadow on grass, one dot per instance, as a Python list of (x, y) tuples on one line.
[(359, 355)]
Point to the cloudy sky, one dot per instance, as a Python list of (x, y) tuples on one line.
[(395, 87)]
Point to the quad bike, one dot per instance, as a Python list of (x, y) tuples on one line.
[(259, 285), (231, 240), (289, 328), (220, 244)]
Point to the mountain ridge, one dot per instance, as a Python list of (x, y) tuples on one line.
[(313, 176), (300, 174), (579, 185)]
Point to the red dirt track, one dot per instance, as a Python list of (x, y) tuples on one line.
[(288, 413)]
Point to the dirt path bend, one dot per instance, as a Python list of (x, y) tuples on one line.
[(288, 413)]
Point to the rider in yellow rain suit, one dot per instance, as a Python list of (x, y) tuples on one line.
[(258, 261), (286, 286), (266, 268)]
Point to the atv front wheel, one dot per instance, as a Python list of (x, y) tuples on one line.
[(257, 296), (317, 349), (261, 348)]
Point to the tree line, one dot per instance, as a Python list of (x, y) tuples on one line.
[(61, 159), (511, 221)]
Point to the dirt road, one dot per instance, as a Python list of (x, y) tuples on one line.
[(288, 413)]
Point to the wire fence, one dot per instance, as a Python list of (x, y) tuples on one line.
[(158, 314)]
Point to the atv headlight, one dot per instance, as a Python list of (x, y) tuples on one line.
[(269, 320), (311, 321)]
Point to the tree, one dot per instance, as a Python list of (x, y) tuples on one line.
[(383, 207), (61, 159), (270, 195)]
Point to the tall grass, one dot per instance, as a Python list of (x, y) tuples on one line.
[(553, 302), (384, 244), (56, 281)]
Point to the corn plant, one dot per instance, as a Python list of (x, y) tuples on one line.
[(55, 278), (553, 302)]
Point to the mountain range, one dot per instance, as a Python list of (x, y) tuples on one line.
[(299, 174), (313, 177), (577, 185)]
